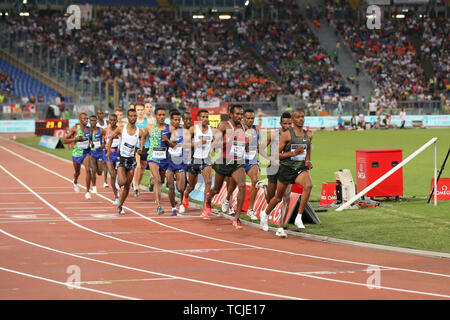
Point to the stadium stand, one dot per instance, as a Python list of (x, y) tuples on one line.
[(23, 85)]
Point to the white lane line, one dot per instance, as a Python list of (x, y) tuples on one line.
[(17, 203), (215, 260), (153, 219), (29, 208), (152, 272), (66, 284), (81, 202), (124, 280)]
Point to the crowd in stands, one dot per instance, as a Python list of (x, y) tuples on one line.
[(293, 51), (390, 58), (157, 57), (186, 62), (436, 46)]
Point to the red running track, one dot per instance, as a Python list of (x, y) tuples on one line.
[(51, 236)]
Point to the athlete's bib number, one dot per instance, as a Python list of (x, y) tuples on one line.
[(177, 151), (83, 144), (127, 150), (159, 153), (97, 144), (237, 149), (115, 143), (301, 156), (251, 154)]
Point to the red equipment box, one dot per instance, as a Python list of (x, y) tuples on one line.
[(371, 164)]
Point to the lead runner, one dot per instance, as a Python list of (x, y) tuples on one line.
[(295, 161)]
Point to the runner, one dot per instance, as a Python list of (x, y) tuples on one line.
[(295, 161), (80, 134), (129, 138), (141, 123), (119, 113), (202, 138), (114, 153), (158, 159), (178, 159), (97, 148), (270, 184), (148, 109), (101, 123), (252, 169), (187, 125), (232, 137)]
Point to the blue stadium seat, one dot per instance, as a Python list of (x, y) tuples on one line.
[(26, 85)]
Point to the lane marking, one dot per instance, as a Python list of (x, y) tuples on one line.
[(65, 284), (151, 272), (214, 260), (123, 280), (201, 235)]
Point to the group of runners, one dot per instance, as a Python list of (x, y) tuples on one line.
[(176, 154)]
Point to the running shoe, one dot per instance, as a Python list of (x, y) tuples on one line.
[(231, 211), (182, 209), (225, 206), (237, 224), (76, 187), (94, 190), (160, 210), (185, 202), (88, 196), (136, 193), (281, 233), (174, 212), (208, 208), (205, 215), (298, 222), (252, 215), (262, 183), (116, 202), (264, 221), (120, 210), (105, 185)]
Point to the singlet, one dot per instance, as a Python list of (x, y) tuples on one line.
[(97, 139), (116, 141), (178, 154), (80, 147), (234, 148), (157, 150), (104, 126), (299, 160), (128, 143), (141, 125), (150, 121), (251, 155), (202, 151)]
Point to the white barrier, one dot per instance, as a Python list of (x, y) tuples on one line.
[(390, 172)]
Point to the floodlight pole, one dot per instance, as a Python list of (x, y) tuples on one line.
[(386, 175)]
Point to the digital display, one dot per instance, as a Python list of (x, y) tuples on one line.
[(47, 127)]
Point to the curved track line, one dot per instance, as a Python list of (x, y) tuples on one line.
[(210, 259), (217, 239), (66, 284), (147, 271)]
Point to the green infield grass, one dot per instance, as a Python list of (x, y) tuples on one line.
[(409, 222)]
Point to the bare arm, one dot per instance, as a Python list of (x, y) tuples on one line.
[(71, 136)]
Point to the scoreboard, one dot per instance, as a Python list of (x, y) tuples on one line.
[(48, 127)]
